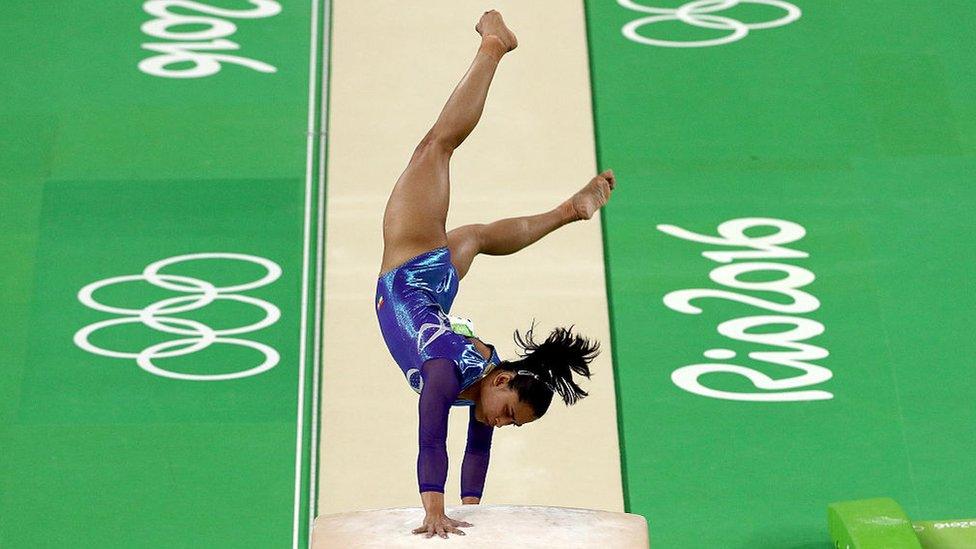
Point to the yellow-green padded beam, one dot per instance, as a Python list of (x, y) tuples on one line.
[(946, 534), (870, 524)]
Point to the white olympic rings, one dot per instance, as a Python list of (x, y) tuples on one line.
[(202, 294), (697, 13)]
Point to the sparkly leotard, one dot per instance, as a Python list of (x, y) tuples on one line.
[(412, 302)]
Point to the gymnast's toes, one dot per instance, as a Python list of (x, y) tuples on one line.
[(491, 24)]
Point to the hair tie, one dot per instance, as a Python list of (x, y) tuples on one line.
[(536, 376)]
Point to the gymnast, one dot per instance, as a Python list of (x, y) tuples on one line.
[(422, 266)]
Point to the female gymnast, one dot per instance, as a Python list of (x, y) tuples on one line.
[(422, 265)]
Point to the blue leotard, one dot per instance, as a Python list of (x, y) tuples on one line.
[(412, 302)]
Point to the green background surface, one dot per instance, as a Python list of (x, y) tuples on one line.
[(857, 122), (105, 169)]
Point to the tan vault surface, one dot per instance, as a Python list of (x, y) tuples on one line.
[(393, 67)]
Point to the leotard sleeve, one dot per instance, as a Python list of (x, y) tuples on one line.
[(442, 384), (476, 456)]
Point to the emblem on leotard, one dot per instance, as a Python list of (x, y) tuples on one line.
[(439, 329), (445, 283), (415, 380), (461, 325)]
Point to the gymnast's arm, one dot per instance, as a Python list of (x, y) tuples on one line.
[(442, 384), (476, 457)]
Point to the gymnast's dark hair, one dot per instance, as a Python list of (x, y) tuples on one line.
[(553, 361)]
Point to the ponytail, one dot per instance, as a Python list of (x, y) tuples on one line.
[(552, 362)]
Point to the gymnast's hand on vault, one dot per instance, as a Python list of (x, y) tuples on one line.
[(441, 525)]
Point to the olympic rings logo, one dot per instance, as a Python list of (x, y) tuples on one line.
[(697, 13), (201, 293)]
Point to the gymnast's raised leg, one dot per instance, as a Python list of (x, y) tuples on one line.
[(416, 212)]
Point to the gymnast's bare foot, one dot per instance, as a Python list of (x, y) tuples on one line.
[(491, 24), (593, 196)]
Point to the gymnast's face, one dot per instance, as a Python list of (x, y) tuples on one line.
[(498, 406)]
